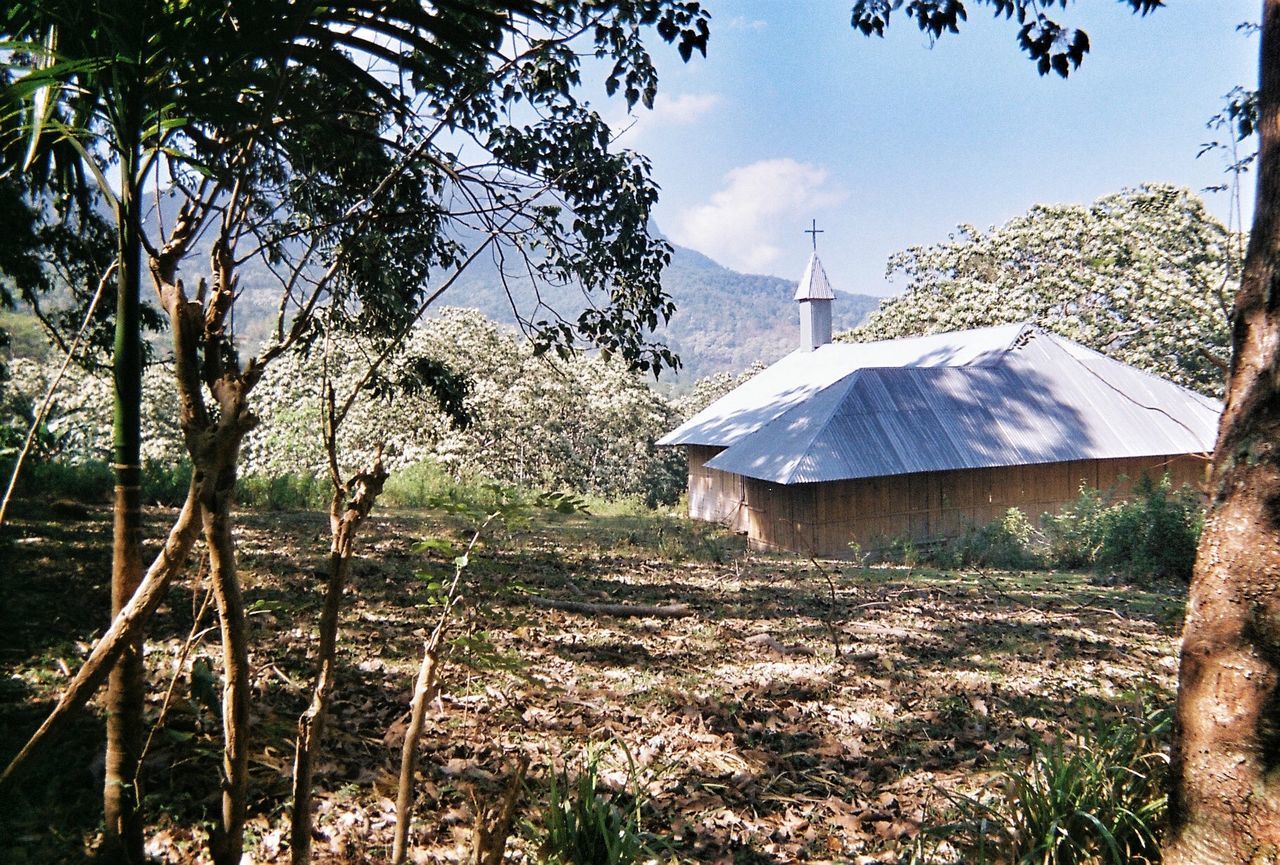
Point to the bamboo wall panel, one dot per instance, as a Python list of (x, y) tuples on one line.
[(825, 519), (715, 497)]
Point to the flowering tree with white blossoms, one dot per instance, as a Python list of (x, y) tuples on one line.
[(1146, 276), (77, 427), (581, 423)]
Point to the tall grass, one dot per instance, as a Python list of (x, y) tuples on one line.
[(583, 824), (424, 484), (91, 482), (1097, 800)]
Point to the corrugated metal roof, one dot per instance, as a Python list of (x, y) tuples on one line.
[(975, 399), (813, 284), (801, 374)]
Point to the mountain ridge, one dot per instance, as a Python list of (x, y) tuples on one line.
[(724, 321)]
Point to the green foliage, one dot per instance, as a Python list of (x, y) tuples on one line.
[(1075, 533), (25, 337), (1053, 47), (77, 426), (1003, 543), (164, 483), (290, 491), (81, 482), (671, 538), (1153, 536), (585, 424), (903, 551), (92, 481), (1098, 800), (585, 825), (423, 483)]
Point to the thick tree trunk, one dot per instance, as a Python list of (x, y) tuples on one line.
[(346, 513), (122, 841), (1225, 799)]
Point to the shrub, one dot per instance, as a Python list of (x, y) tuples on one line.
[(1100, 801), (1002, 543), (903, 551), (584, 825), (1074, 534), (295, 491), (165, 484), (90, 481), (1154, 535), (425, 483), (673, 539), (93, 480)]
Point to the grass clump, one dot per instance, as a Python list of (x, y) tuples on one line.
[(1097, 801), (585, 825)]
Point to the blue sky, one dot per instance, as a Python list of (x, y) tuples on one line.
[(890, 143)]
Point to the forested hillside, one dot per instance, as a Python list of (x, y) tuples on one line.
[(724, 322)]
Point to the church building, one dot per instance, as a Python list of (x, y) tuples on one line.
[(841, 444)]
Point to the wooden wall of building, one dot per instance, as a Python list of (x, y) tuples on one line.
[(715, 497), (824, 519)]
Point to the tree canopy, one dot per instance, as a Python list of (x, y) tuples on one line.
[(1050, 45), (1145, 275), (365, 153)]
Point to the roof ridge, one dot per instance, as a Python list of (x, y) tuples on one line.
[(1059, 338), (1057, 343)]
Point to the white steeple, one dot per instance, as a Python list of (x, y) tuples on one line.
[(814, 295)]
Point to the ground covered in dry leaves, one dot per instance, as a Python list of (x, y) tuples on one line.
[(805, 711)]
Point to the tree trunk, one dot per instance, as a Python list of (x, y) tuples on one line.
[(345, 515), (423, 691), (205, 356), (228, 843), (122, 842), (1225, 796)]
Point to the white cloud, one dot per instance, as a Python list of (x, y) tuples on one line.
[(682, 110), (738, 22), (759, 204)]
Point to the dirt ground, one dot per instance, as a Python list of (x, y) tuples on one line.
[(805, 711)]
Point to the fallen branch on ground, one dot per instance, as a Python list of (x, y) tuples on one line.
[(769, 642), (667, 611)]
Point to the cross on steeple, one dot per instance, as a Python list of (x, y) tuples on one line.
[(814, 232)]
